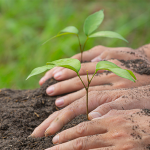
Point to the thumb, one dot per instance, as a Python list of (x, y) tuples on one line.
[(115, 112), (119, 104)]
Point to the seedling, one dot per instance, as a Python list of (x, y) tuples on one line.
[(75, 65), (91, 23)]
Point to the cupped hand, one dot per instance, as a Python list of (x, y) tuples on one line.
[(117, 130), (101, 81), (100, 103)]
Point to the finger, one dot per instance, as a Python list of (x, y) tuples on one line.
[(78, 107), (105, 148), (115, 112), (40, 130), (85, 143), (49, 74), (75, 83), (90, 54), (120, 104), (81, 130), (67, 73), (121, 53), (68, 99)]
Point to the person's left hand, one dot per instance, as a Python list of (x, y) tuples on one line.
[(117, 130)]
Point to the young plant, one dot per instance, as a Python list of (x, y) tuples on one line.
[(75, 65), (91, 23)]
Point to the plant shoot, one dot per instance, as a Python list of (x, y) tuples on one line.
[(75, 65), (91, 23)]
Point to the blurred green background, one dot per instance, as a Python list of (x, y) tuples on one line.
[(26, 24)]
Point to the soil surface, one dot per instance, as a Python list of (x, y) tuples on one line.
[(21, 111)]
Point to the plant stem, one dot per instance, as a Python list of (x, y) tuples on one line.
[(92, 77), (83, 48), (81, 81), (80, 46), (87, 88), (87, 109)]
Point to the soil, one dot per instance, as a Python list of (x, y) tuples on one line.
[(23, 110)]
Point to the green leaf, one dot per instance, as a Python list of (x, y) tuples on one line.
[(70, 29), (122, 73), (67, 30), (131, 73), (39, 70), (70, 63), (103, 65), (109, 34), (92, 22), (56, 36), (106, 65)]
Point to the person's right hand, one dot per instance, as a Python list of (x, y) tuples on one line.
[(100, 103), (118, 130), (102, 81), (96, 54)]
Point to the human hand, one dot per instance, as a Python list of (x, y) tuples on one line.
[(100, 103), (103, 81), (98, 53), (117, 130), (87, 56)]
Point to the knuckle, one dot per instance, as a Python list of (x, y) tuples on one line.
[(55, 113), (128, 146), (113, 111), (119, 134), (115, 61), (111, 75), (121, 85), (98, 47), (107, 107), (78, 144), (118, 120), (77, 82), (83, 68), (81, 128)]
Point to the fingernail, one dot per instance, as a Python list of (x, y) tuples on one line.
[(50, 90), (58, 74), (42, 80), (59, 102), (93, 115), (56, 139), (97, 59)]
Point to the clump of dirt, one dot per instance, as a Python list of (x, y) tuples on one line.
[(23, 110)]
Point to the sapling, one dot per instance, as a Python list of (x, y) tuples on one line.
[(91, 23), (75, 65)]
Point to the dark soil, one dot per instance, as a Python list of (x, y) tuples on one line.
[(23, 110)]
